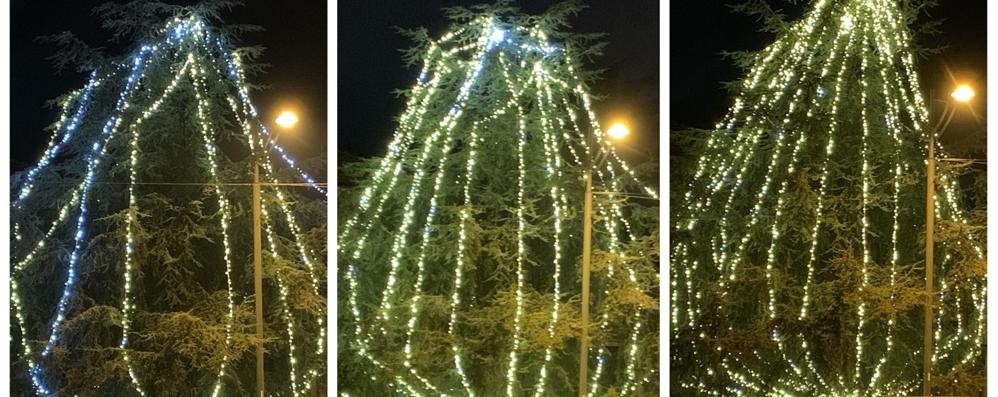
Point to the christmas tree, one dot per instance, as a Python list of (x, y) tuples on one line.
[(461, 250), (131, 257), (797, 258)]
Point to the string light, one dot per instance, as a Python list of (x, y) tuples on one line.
[(187, 36), (867, 39), (527, 65)]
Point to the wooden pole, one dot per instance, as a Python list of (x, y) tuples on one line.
[(587, 232), (258, 277)]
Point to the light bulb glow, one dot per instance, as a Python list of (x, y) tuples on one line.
[(618, 131), (287, 119), (963, 93)]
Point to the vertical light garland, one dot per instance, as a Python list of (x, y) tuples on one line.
[(865, 223), (93, 161), (521, 248), (178, 32), (132, 221), (52, 149), (884, 38), (558, 200), (524, 45), (237, 76), (198, 75)]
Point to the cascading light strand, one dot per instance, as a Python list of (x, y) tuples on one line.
[(127, 307), (198, 76), (558, 200), (139, 62), (54, 147)]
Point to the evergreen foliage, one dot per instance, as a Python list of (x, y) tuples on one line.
[(460, 250), (797, 258), (166, 146)]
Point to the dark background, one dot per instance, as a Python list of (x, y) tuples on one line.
[(296, 48), (700, 30), (370, 67)]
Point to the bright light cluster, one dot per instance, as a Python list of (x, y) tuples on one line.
[(188, 49), (532, 84), (842, 77)]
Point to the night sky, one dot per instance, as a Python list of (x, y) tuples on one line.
[(371, 67), (296, 49), (701, 30)]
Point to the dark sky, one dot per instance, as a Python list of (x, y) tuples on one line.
[(370, 66), (295, 39), (701, 30)]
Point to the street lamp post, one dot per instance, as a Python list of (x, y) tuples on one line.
[(285, 120), (587, 248), (617, 131), (963, 93)]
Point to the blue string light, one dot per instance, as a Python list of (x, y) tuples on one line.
[(54, 150), (92, 160), (236, 77)]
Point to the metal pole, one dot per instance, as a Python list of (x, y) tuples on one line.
[(258, 277), (587, 232), (930, 220)]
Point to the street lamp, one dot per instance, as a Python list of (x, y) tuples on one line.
[(286, 120), (963, 94), (617, 131)]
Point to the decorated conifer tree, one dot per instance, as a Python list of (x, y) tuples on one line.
[(460, 251), (131, 267), (797, 258)]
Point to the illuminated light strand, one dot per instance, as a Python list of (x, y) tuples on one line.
[(521, 249), (55, 146), (430, 217), (745, 156), (237, 76), (352, 299), (890, 123), (243, 116), (630, 382), (466, 216), (405, 135), (197, 75), (35, 369), (614, 242), (132, 220), (613, 246), (890, 385), (774, 230), (819, 208), (605, 146), (716, 184), (283, 296), (138, 62), (21, 265), (445, 128), (557, 200), (864, 173), (372, 201), (420, 93)]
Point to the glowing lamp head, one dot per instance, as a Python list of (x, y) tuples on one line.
[(963, 93), (618, 131), (287, 119)]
